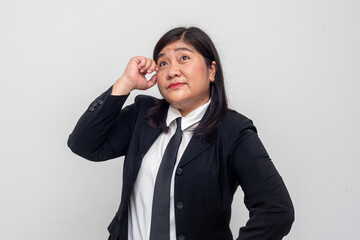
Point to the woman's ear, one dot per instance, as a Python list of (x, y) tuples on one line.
[(212, 71)]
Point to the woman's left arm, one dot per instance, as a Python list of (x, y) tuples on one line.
[(266, 197)]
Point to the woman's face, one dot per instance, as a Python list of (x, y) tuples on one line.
[(183, 77)]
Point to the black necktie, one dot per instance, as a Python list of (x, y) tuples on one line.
[(160, 218)]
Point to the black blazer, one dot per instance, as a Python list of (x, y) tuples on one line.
[(206, 178)]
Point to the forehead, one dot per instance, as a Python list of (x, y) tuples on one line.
[(176, 46)]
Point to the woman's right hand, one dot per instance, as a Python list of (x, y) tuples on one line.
[(134, 76)]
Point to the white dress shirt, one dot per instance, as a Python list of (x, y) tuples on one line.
[(140, 207)]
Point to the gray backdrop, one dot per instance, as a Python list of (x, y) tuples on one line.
[(291, 66)]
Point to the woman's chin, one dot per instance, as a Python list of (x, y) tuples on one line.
[(175, 97)]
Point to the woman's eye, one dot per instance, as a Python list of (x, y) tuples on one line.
[(184, 58), (162, 64)]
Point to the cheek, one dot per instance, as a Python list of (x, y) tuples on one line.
[(200, 71), (160, 81)]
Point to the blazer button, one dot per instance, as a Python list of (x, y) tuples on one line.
[(181, 237), (100, 101), (179, 205), (91, 109), (179, 171), (95, 104)]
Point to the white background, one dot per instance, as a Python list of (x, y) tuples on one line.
[(291, 66)]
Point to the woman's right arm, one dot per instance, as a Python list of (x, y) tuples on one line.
[(104, 131)]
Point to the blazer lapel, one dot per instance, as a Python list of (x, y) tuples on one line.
[(148, 135), (194, 148)]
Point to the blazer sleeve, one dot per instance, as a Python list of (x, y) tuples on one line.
[(266, 197), (104, 131)]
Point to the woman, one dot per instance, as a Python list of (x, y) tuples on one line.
[(185, 155)]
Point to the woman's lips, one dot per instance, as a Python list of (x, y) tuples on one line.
[(175, 85)]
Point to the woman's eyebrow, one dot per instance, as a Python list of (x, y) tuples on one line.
[(176, 50)]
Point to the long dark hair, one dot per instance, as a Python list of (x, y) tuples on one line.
[(199, 40)]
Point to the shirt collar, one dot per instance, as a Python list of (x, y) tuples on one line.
[(189, 120)]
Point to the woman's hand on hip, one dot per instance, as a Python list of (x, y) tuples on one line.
[(134, 76)]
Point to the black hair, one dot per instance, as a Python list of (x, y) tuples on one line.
[(202, 43)]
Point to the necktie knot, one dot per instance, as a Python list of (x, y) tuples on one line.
[(178, 123)]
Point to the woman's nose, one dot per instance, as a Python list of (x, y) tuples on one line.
[(173, 71)]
